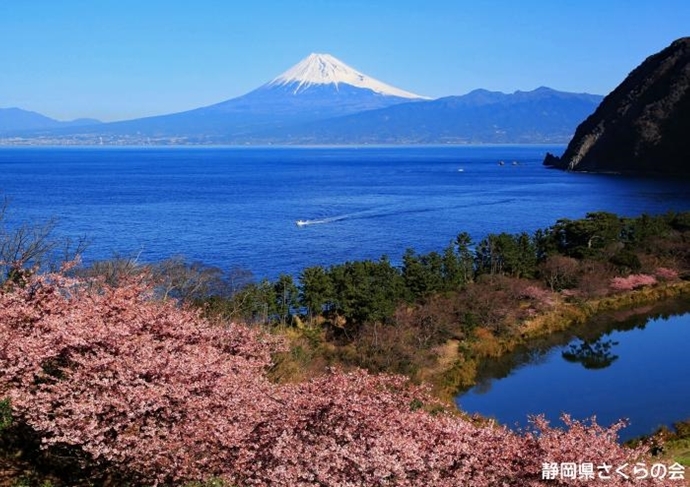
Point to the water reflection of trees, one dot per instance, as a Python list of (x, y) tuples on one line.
[(594, 351), (592, 355), (589, 334)]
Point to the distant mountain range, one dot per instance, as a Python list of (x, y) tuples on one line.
[(540, 116), (321, 100), (13, 120)]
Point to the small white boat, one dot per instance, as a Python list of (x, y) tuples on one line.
[(301, 223)]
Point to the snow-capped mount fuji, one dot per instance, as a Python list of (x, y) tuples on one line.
[(317, 88), (324, 69)]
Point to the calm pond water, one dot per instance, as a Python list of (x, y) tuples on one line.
[(623, 365)]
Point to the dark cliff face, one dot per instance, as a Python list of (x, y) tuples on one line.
[(643, 126)]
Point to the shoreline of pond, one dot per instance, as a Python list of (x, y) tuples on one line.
[(460, 361)]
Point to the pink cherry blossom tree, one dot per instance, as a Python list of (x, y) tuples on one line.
[(158, 395), (633, 281)]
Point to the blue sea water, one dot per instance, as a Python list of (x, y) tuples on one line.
[(237, 207)]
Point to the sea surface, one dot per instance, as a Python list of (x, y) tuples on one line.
[(238, 207)]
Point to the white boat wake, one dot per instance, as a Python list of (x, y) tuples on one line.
[(304, 223), (385, 211)]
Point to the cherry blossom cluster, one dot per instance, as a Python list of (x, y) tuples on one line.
[(161, 396), (633, 281), (665, 274), (539, 295)]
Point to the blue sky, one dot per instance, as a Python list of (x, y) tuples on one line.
[(121, 59)]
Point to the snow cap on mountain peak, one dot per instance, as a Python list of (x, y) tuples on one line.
[(323, 69)]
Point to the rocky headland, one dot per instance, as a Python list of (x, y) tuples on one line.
[(643, 126)]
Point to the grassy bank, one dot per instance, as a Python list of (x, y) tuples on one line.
[(452, 364)]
